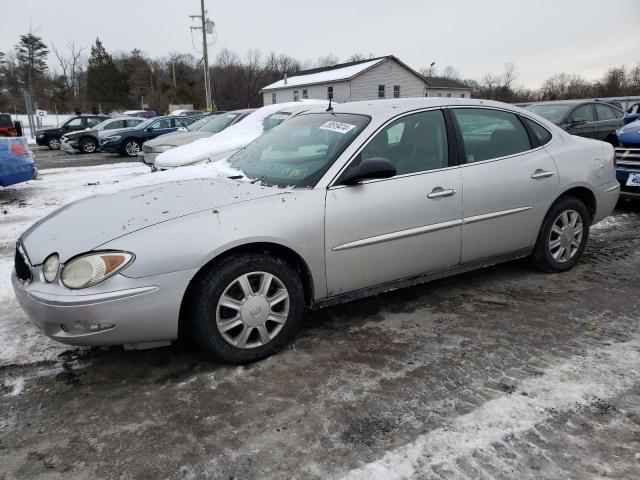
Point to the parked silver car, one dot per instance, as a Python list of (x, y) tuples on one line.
[(328, 207), (203, 128)]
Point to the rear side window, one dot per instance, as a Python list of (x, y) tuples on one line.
[(488, 134), (605, 113), (542, 134)]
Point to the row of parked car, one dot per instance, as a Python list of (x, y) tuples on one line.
[(606, 121)]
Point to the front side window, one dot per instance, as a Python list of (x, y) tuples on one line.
[(74, 122), (380, 91), (413, 143), (488, 134), (163, 123), (396, 91), (299, 151), (605, 113), (583, 114)]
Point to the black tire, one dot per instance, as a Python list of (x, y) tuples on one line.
[(213, 283), (53, 143), (128, 141), (88, 145), (542, 257)]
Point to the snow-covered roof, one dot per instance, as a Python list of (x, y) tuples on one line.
[(329, 75)]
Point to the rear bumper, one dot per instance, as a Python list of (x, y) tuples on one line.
[(607, 198)]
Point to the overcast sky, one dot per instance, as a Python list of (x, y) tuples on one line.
[(541, 37)]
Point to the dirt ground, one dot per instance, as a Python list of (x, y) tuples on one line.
[(499, 373)]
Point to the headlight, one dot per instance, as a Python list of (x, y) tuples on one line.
[(50, 267), (163, 148), (91, 269)]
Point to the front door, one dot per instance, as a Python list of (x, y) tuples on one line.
[(385, 230), (507, 183), (583, 122)]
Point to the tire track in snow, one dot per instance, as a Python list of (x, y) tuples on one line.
[(602, 372)]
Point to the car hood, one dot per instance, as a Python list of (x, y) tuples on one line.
[(86, 224), (178, 138)]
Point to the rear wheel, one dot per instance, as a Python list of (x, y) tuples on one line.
[(53, 143), (563, 236), (88, 145), (247, 308), (130, 148)]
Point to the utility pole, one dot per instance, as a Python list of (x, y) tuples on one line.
[(206, 25)]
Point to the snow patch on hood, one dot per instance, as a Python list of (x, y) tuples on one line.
[(228, 141)]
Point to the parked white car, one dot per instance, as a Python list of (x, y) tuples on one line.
[(232, 139)]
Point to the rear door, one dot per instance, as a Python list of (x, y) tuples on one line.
[(389, 229), (609, 120), (508, 179), (583, 122)]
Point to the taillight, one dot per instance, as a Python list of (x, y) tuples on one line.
[(18, 149)]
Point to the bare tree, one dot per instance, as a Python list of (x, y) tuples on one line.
[(328, 60), (71, 65), (451, 73)]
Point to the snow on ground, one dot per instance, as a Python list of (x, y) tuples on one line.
[(229, 140), (601, 373)]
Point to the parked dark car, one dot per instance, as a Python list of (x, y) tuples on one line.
[(128, 142), (633, 113), (140, 113), (88, 141), (50, 137), (16, 161), (628, 160), (591, 119)]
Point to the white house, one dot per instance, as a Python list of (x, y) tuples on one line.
[(383, 77)]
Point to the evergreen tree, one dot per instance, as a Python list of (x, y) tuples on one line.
[(31, 53), (105, 83)]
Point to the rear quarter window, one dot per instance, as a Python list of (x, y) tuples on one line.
[(539, 132)]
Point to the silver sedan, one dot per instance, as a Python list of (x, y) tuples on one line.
[(329, 207)]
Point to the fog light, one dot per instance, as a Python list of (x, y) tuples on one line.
[(86, 327)]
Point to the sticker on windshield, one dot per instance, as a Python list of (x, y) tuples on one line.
[(338, 127)]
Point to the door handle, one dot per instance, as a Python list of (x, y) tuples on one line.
[(439, 192), (541, 174)]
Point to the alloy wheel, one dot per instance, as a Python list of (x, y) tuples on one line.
[(565, 237), (88, 146), (252, 310), (132, 148), (54, 144)]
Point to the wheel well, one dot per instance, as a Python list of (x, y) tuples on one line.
[(586, 196), (273, 249)]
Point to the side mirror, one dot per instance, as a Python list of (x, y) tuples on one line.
[(367, 170), (148, 129)]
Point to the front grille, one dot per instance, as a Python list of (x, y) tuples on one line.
[(629, 158), (22, 267), (147, 149)]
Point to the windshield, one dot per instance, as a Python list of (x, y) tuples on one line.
[(553, 113), (274, 120), (300, 151), (214, 124)]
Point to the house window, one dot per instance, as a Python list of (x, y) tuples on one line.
[(449, 95), (329, 93), (273, 98), (439, 94), (295, 96), (462, 95), (305, 94), (396, 91), (380, 91)]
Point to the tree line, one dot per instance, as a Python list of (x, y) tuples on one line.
[(71, 78)]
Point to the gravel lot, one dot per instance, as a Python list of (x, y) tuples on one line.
[(499, 373)]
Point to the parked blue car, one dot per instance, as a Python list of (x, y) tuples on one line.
[(16, 161), (128, 142), (628, 160)]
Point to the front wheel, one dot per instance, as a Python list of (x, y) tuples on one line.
[(88, 145), (53, 143), (130, 148), (563, 236), (247, 308)]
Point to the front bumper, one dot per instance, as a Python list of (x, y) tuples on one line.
[(628, 159), (42, 141), (148, 158), (140, 310), (69, 146)]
